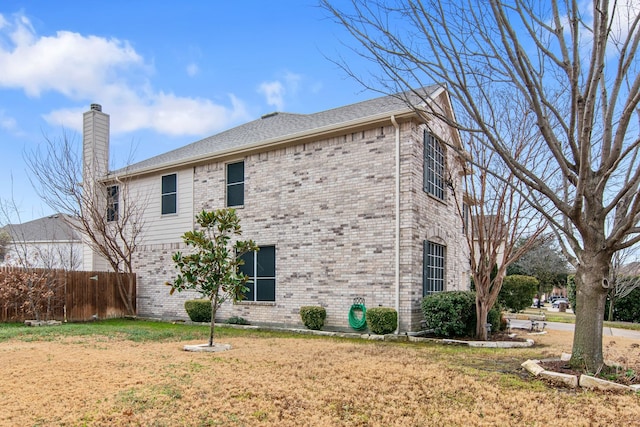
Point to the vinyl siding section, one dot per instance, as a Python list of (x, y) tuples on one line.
[(169, 228)]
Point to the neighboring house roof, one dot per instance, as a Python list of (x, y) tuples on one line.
[(47, 229), (278, 127)]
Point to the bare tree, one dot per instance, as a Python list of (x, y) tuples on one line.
[(577, 68), (33, 288), (502, 226), (105, 212), (5, 240), (624, 279)]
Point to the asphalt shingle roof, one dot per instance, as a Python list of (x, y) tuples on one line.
[(276, 126), (46, 229)]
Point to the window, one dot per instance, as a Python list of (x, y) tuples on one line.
[(433, 264), (169, 194), (465, 217), (260, 266), (113, 204), (235, 184), (433, 166)]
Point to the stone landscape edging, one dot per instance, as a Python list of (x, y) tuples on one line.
[(574, 381)]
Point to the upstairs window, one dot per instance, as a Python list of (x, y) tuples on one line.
[(433, 264), (113, 203), (235, 184), (433, 166), (260, 266), (169, 194)]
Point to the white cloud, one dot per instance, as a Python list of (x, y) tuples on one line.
[(7, 123), (621, 19), (192, 69), (274, 93), (164, 113), (292, 82), (108, 71)]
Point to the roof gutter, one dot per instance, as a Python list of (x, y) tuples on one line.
[(397, 224)]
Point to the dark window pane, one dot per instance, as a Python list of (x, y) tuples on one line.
[(267, 261), (266, 289), (169, 184), (433, 268), (112, 203), (247, 267), (250, 295), (169, 204), (434, 166), (235, 172), (235, 195)]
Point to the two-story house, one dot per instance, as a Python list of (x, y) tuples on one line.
[(353, 202), (49, 242)]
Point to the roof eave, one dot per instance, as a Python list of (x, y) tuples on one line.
[(271, 143)]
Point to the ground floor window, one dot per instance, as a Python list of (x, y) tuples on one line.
[(433, 264), (260, 266)]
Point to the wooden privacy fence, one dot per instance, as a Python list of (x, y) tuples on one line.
[(74, 296)]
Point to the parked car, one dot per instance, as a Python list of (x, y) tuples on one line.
[(556, 303)]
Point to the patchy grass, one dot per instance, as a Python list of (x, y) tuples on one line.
[(134, 373)]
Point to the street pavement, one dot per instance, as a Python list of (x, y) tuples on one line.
[(556, 326)]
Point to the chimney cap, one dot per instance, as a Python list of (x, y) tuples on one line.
[(96, 107)]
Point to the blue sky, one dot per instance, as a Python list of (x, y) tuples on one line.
[(166, 74)]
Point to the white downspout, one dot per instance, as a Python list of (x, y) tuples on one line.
[(397, 254)]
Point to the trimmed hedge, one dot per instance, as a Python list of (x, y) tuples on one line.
[(199, 310), (382, 320), (453, 314), (517, 292), (313, 316)]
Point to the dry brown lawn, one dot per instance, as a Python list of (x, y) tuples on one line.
[(297, 381)]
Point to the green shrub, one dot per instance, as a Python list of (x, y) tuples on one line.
[(237, 320), (199, 310), (453, 314), (498, 323), (517, 292), (627, 309), (313, 316), (450, 314), (382, 320)]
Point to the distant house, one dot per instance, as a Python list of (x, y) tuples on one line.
[(353, 202), (48, 242)]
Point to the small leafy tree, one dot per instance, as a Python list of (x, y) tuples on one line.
[(212, 269), (517, 292)]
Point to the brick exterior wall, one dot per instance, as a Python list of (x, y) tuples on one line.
[(329, 208)]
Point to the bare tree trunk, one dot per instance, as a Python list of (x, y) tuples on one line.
[(125, 291), (611, 304), (481, 319), (214, 308), (591, 297)]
